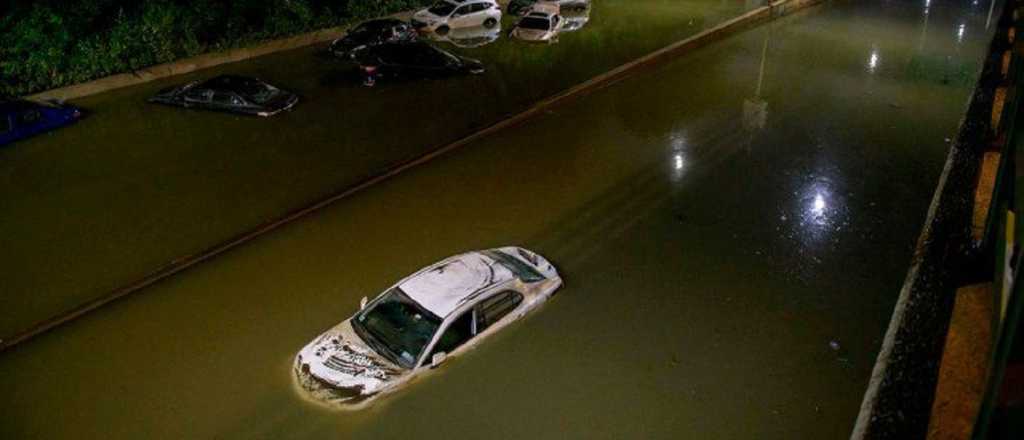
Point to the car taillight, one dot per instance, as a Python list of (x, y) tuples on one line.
[(369, 69)]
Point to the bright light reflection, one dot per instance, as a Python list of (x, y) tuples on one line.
[(873, 61), (678, 147), (819, 205), (960, 32)]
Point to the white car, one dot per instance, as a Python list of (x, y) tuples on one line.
[(541, 24), (446, 15), (522, 7), (435, 314), (575, 18), (470, 37)]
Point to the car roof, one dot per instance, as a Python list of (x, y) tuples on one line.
[(232, 83), (544, 9), (403, 52), (444, 286), (381, 23)]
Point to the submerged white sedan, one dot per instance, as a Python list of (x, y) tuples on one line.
[(541, 24), (433, 315)]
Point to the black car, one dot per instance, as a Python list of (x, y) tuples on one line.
[(372, 33), (416, 59), (229, 93)]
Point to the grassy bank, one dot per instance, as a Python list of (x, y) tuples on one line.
[(53, 43)]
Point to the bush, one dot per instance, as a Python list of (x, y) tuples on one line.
[(53, 43)]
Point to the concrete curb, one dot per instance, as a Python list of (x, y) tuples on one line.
[(199, 62), (757, 16)]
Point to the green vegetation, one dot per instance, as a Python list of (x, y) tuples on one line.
[(52, 43)]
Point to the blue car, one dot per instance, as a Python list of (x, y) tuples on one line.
[(20, 119)]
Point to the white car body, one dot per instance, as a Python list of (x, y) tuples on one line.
[(469, 37), (469, 296), (541, 12), (462, 14)]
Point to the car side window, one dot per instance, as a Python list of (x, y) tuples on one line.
[(477, 7), (460, 331), (463, 10), (224, 98), (492, 309), (198, 95)]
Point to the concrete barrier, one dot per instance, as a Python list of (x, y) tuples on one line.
[(752, 18), (901, 390)]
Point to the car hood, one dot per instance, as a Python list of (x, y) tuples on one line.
[(340, 359)]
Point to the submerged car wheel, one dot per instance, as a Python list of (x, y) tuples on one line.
[(490, 22), (442, 30)]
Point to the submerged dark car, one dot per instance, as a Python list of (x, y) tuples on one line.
[(20, 119), (229, 93), (372, 33), (416, 59)]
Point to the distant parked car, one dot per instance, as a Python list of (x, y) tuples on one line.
[(229, 93), (416, 59), (20, 119), (575, 18), (446, 15), (522, 7), (371, 33), (541, 24), (434, 315), (469, 37)]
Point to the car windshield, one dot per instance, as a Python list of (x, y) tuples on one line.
[(535, 23), (516, 266), (361, 29), (442, 9), (259, 92), (397, 327)]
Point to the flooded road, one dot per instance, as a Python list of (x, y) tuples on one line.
[(732, 229), (95, 206)]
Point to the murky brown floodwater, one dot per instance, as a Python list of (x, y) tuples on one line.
[(95, 206), (708, 266)]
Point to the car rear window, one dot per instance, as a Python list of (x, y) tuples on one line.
[(535, 23), (518, 268)]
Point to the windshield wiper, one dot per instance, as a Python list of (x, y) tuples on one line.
[(374, 342)]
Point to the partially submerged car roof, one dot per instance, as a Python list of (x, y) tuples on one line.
[(379, 23), (545, 9), (445, 286), (233, 83)]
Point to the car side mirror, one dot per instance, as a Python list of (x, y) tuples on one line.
[(437, 359), (362, 303)]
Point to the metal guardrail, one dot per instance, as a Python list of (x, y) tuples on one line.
[(1001, 245)]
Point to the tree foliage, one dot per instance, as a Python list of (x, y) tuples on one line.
[(52, 43)]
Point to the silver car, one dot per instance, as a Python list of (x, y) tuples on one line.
[(436, 314)]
